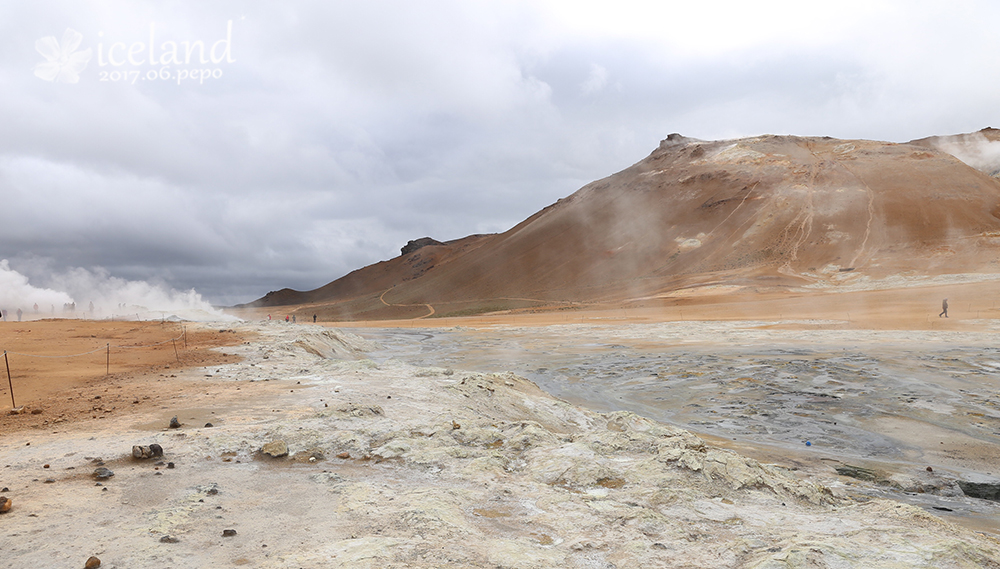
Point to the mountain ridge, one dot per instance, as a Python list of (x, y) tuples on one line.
[(766, 211)]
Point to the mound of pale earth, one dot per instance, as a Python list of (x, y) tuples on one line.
[(767, 212), (391, 465)]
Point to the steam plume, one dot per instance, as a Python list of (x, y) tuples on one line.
[(85, 293)]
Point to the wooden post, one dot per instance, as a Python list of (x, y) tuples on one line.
[(9, 383), (185, 329), (174, 342), (107, 369)]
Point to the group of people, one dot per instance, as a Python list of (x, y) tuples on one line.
[(67, 307), (292, 317)]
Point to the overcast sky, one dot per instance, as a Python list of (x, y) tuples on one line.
[(262, 145)]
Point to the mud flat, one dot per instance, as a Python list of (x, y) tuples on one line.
[(390, 464)]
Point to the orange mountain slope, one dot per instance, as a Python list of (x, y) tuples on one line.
[(768, 211)]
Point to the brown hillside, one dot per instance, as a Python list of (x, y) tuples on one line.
[(768, 211), (980, 149)]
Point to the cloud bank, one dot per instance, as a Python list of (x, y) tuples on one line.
[(326, 135)]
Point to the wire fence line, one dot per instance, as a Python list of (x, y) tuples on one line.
[(106, 348), (100, 349)]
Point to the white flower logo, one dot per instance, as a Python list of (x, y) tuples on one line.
[(61, 63)]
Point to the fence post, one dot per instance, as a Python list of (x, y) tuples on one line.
[(107, 369), (174, 342), (9, 383)]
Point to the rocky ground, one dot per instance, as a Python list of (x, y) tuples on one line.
[(392, 465)]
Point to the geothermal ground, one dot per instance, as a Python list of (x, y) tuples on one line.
[(674, 442)]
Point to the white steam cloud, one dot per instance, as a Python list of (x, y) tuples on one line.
[(95, 294), (975, 150)]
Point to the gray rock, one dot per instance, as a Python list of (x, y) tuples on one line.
[(275, 449), (151, 451), (103, 473), (981, 490), (174, 423)]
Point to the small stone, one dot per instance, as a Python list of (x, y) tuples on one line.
[(228, 532), (208, 425), (17, 410), (275, 449), (174, 423), (169, 539), (139, 451), (103, 473), (5, 504), (36, 411), (344, 455), (92, 563), (455, 426), (212, 491), (170, 465), (50, 480), (45, 466), (929, 469)]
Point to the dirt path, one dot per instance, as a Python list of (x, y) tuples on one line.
[(430, 309)]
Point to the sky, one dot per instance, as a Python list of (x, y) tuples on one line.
[(216, 151)]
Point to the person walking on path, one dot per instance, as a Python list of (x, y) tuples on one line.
[(314, 318), (944, 309)]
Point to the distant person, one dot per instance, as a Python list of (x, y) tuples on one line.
[(293, 319), (268, 316), (19, 313), (314, 318), (944, 309), (286, 318)]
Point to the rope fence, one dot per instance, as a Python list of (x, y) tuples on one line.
[(107, 348)]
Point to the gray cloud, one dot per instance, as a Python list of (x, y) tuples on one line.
[(344, 129)]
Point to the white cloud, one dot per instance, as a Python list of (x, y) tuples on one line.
[(344, 129), (596, 80)]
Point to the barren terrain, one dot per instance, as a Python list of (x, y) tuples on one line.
[(450, 460)]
